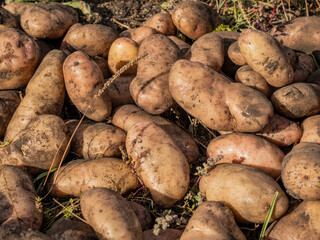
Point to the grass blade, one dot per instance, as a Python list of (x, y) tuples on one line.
[(266, 221)]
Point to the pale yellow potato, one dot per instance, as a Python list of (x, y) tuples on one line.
[(9, 103), (138, 34), (162, 23), (311, 129), (235, 55)]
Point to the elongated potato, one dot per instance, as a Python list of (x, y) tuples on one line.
[(7, 20), (138, 34), (119, 91), (45, 94), (249, 150), (311, 129), (159, 162), (264, 54), (9, 103), (240, 188), (110, 215), (162, 23)]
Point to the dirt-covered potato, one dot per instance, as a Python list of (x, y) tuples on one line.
[(219, 103), (150, 88), (311, 129), (143, 215), (17, 8), (159, 162), (209, 50), (212, 220), (126, 116), (79, 176), (314, 77), (162, 23), (65, 47), (48, 20), (168, 234), (247, 149), (66, 229), (45, 93), (281, 131), (138, 34), (195, 19), (20, 55), (93, 39), (119, 91), (110, 215), (39, 145), (301, 223), (83, 79), (251, 78), (103, 65), (305, 67), (301, 170), (264, 54), (9, 103), (297, 100), (246, 190), (122, 51), (235, 55), (16, 233), (7, 19), (182, 45), (17, 187)]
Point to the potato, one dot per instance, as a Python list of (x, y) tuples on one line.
[(138, 34), (162, 23), (314, 77), (264, 55), (302, 223), (300, 34), (65, 47), (42, 142), (219, 103), (159, 162), (20, 56), (45, 94), (235, 55), (300, 171), (247, 191), (168, 234), (79, 176), (17, 233), (281, 131), (195, 19), (311, 129), (9, 103), (251, 78), (149, 89), (96, 140), (126, 116), (305, 67), (48, 20), (182, 45), (143, 215), (209, 50), (84, 79), (17, 8), (291, 56), (212, 220), (119, 91), (110, 215), (297, 100), (7, 20), (103, 65), (66, 229), (249, 150), (122, 51), (18, 205), (93, 39)]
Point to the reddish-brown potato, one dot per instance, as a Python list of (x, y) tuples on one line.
[(162, 23), (9, 103), (103, 65), (138, 34), (311, 129)]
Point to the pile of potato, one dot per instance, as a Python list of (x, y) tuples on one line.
[(260, 91)]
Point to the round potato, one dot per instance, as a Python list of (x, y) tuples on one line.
[(162, 23), (119, 91), (7, 20), (138, 34), (305, 67), (9, 103), (168, 234), (311, 129), (65, 47), (235, 55)]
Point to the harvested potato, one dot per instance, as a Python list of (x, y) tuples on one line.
[(302, 223), (17, 8), (110, 215), (93, 39), (48, 20), (162, 23), (143, 215), (45, 94), (79, 176), (16, 233), (297, 100), (122, 51), (103, 65), (264, 54), (149, 89), (300, 171), (96, 140), (195, 19), (65, 47), (311, 129), (126, 116), (9, 103), (159, 162), (83, 80), (281, 131), (138, 34), (249, 150), (314, 77), (39, 145), (247, 191), (209, 50), (182, 45), (305, 67), (212, 220), (251, 78), (219, 103), (119, 91), (16, 187), (168, 234), (7, 19), (20, 56), (235, 55)]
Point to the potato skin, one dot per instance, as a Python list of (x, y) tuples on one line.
[(17, 233), (143, 215), (168, 234), (239, 188), (264, 54), (305, 67), (17, 8), (7, 20), (159, 162), (219, 103), (247, 149), (300, 171), (235, 55), (109, 215), (9, 103), (138, 34), (311, 129), (119, 91), (83, 79), (162, 23)]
